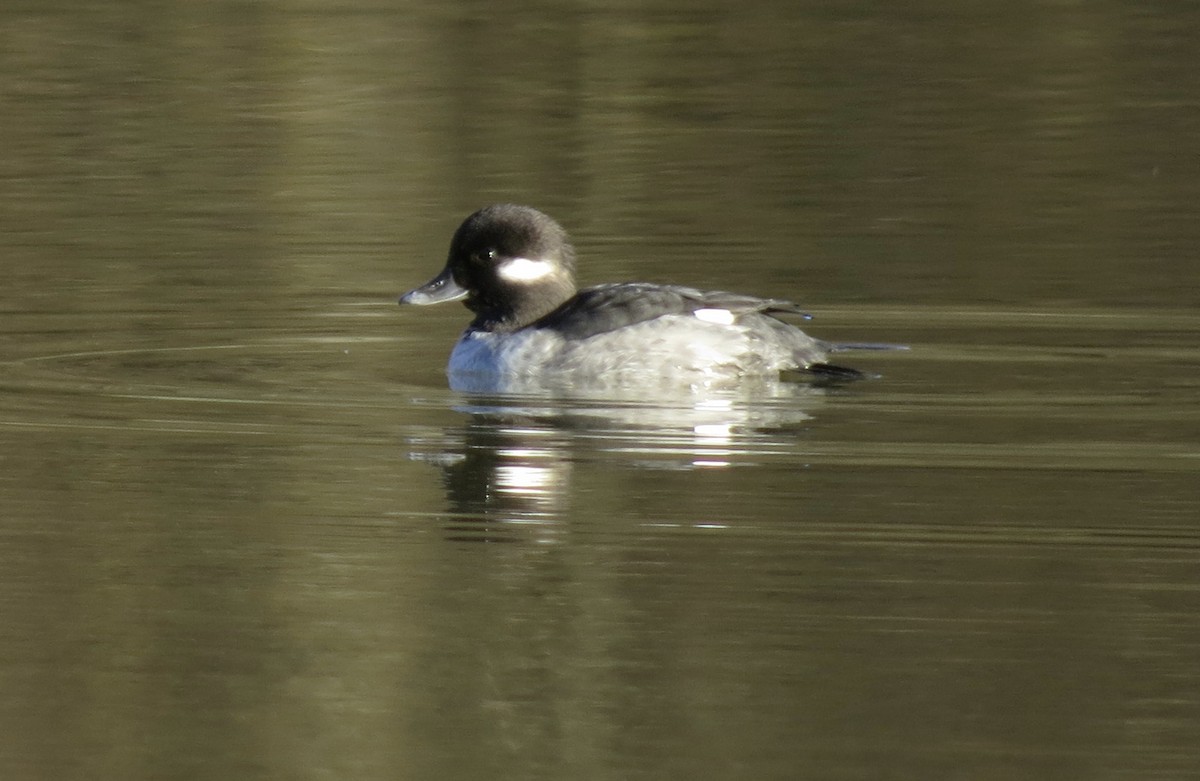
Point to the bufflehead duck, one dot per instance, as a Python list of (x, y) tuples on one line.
[(514, 266)]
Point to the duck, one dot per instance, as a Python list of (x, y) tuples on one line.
[(513, 267)]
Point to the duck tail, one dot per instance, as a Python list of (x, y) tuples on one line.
[(828, 372)]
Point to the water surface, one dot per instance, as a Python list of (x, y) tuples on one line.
[(247, 531)]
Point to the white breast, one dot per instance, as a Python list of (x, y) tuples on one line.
[(479, 352)]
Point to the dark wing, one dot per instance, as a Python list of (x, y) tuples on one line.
[(604, 308)]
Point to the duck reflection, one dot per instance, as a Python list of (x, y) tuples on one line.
[(501, 474), (507, 471)]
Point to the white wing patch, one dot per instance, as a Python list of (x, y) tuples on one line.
[(718, 316), (525, 270)]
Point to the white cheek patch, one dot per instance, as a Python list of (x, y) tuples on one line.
[(525, 270), (718, 316)]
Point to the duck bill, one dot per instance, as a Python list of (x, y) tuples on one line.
[(438, 290)]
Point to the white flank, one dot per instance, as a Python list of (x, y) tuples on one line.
[(718, 316), (525, 270)]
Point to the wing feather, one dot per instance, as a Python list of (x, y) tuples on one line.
[(604, 308)]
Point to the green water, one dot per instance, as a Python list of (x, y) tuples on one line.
[(247, 532)]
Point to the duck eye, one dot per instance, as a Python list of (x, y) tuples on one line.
[(486, 255)]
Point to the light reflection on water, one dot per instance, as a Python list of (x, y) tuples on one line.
[(513, 461)]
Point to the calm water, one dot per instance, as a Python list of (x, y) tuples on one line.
[(247, 532)]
